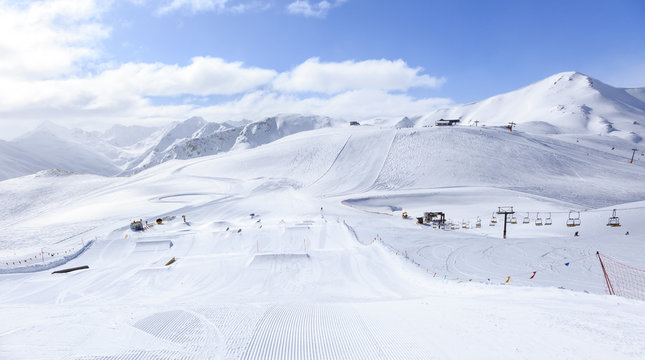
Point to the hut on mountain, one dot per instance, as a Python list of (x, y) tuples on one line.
[(446, 122), (437, 217)]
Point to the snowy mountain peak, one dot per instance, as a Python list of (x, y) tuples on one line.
[(180, 130), (195, 137), (195, 121), (568, 102), (273, 128), (47, 129)]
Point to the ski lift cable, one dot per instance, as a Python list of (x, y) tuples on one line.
[(579, 211)]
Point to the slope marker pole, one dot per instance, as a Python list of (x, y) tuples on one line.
[(610, 288)]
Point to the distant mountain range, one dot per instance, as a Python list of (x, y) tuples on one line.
[(195, 137), (565, 103), (126, 150)]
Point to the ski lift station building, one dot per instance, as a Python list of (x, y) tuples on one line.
[(444, 122)]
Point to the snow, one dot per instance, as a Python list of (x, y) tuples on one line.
[(294, 245)]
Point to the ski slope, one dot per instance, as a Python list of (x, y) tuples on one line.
[(297, 250)]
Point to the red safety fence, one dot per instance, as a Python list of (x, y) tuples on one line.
[(622, 279)]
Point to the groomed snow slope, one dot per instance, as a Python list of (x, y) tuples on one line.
[(326, 268)]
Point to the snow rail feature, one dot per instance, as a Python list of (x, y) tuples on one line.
[(63, 271)]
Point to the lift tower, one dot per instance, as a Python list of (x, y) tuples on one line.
[(505, 210)]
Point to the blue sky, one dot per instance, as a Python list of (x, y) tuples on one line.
[(92, 63)]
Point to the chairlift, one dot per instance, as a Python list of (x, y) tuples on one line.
[(613, 220), (513, 219), (526, 219), (548, 220), (493, 220), (538, 220), (478, 224), (574, 218)]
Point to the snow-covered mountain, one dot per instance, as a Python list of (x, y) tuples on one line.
[(195, 137), (127, 150), (51, 147), (567, 102)]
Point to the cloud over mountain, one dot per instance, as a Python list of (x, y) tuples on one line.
[(76, 84), (335, 77)]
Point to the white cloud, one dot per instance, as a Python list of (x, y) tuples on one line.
[(357, 104), (43, 76), (204, 76), (330, 78), (192, 5), (350, 90), (48, 39), (197, 6), (127, 86), (313, 9)]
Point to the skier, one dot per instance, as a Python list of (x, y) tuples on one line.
[(576, 234)]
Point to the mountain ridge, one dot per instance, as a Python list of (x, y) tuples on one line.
[(564, 103)]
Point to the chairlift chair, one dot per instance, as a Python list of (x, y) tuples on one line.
[(613, 220), (548, 220), (538, 220), (513, 219), (493, 220), (574, 218), (526, 219), (478, 224)]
